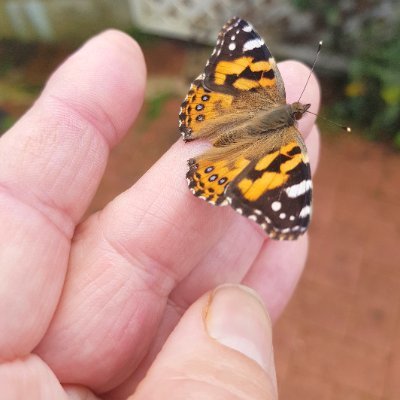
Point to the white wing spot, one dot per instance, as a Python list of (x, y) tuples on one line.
[(282, 215), (305, 212), (248, 28), (232, 46), (299, 189), (239, 210), (253, 217), (276, 205), (292, 218), (233, 37), (252, 44)]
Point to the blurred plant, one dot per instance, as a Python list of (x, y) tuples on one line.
[(143, 38), (156, 104), (6, 121), (373, 91), (371, 31)]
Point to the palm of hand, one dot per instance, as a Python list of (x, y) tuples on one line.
[(92, 303)]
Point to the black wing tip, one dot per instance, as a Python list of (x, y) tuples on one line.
[(265, 223)]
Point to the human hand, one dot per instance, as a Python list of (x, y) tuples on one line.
[(90, 304)]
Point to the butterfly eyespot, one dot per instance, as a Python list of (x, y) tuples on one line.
[(222, 181), (200, 117), (212, 178), (199, 107), (205, 97), (208, 170)]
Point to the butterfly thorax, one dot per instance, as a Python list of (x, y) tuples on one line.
[(281, 116)]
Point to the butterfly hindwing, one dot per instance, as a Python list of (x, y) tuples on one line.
[(276, 191)]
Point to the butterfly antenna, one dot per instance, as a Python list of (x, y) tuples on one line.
[(345, 128), (312, 68)]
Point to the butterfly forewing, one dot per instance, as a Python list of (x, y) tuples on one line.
[(241, 61)]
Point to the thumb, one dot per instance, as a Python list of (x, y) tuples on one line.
[(221, 349)]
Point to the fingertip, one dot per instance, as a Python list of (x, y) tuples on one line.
[(295, 75), (222, 345), (104, 80), (313, 146)]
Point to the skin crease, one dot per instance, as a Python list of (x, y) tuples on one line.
[(89, 304)]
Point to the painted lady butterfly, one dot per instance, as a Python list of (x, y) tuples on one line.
[(258, 161)]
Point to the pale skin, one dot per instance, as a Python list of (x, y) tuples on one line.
[(86, 305)]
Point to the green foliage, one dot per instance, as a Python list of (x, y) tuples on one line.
[(143, 38), (6, 121), (155, 105), (373, 91)]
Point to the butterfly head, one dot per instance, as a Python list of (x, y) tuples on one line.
[(298, 109)]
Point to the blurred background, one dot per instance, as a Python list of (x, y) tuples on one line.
[(339, 338)]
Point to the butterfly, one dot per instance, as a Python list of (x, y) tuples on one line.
[(258, 161)]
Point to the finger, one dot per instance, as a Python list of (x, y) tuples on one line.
[(29, 378), (259, 265), (227, 262), (154, 235), (313, 146), (221, 349), (51, 162), (276, 271), (297, 73)]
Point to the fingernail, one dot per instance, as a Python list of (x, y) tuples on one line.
[(236, 318)]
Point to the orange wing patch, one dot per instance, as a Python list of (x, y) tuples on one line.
[(208, 179), (253, 190), (271, 172), (201, 106), (245, 74)]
